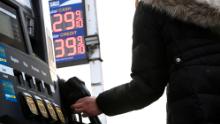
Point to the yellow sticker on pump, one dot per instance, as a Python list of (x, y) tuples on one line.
[(41, 107), (60, 113), (31, 104), (51, 110)]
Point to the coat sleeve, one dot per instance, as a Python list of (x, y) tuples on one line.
[(149, 67)]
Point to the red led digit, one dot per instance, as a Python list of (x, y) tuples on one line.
[(60, 49), (71, 45), (69, 18), (80, 46), (58, 22), (79, 19)]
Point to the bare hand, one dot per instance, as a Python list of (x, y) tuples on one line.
[(87, 106)]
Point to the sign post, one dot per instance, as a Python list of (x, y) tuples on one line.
[(76, 40), (95, 62)]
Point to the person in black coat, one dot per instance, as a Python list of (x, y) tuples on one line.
[(176, 44)]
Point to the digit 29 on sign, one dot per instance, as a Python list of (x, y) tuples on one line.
[(69, 29)]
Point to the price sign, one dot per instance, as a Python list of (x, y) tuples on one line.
[(69, 29)]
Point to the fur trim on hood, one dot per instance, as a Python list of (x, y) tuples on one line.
[(205, 13)]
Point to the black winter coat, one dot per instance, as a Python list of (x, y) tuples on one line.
[(175, 44)]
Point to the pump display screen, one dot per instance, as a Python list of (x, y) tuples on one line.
[(68, 26), (6, 28), (10, 30)]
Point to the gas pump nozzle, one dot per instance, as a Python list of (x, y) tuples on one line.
[(71, 91)]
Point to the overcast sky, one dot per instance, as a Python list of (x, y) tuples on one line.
[(115, 29)]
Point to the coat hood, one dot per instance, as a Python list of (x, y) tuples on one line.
[(205, 13)]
